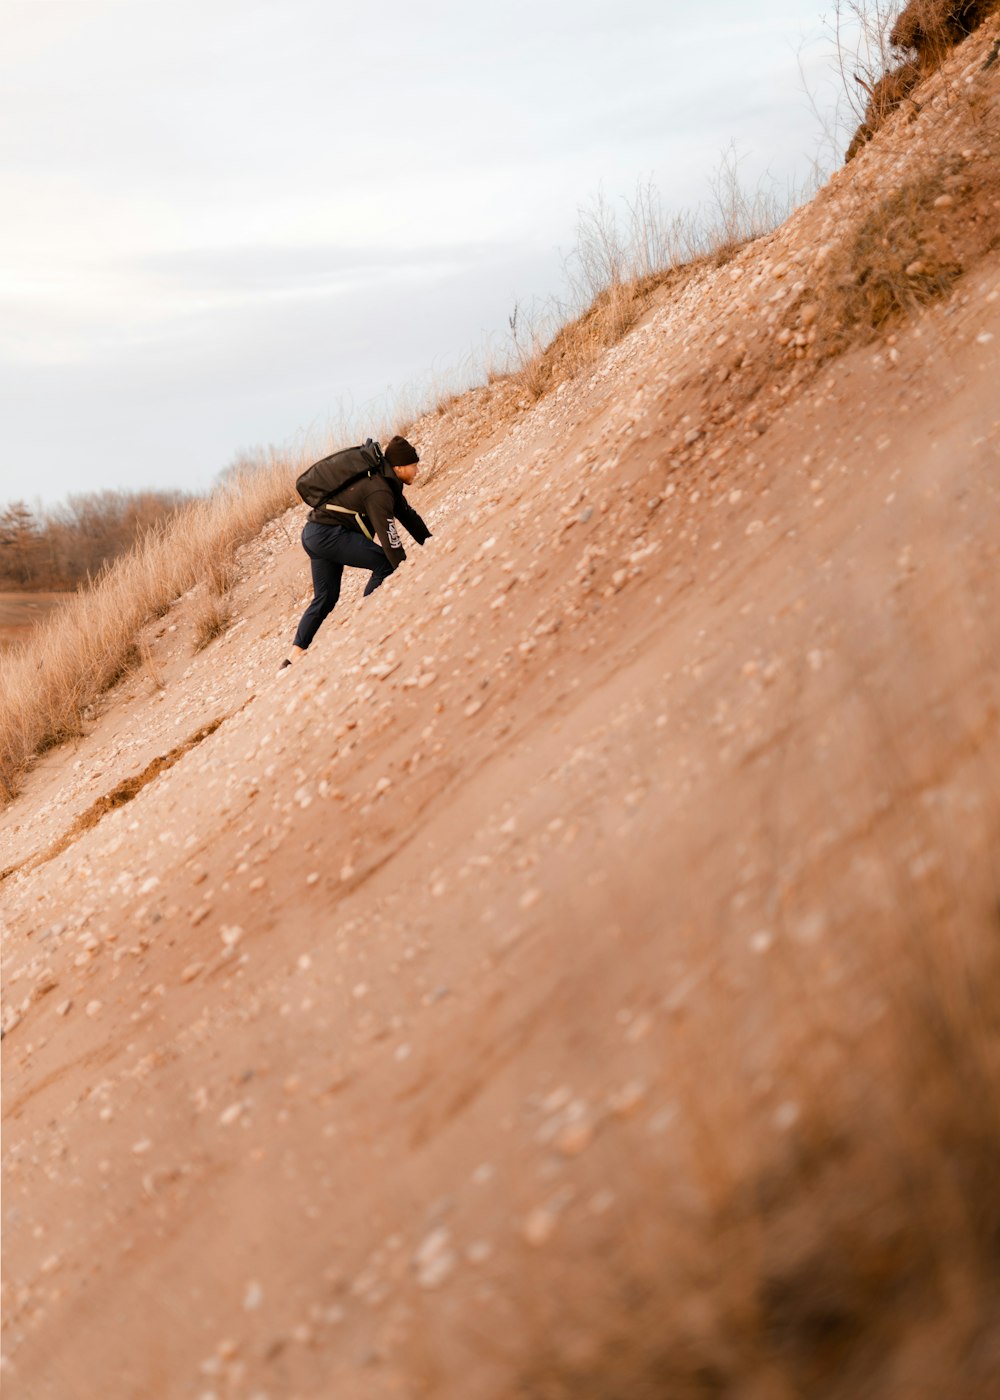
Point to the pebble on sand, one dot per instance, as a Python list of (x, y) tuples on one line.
[(624, 1101), (435, 1259), (574, 1138), (539, 1226)]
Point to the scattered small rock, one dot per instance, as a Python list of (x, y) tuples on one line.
[(539, 1226), (435, 1259), (624, 1101), (786, 1115), (574, 1138)]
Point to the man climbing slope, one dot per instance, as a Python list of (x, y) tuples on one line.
[(357, 499)]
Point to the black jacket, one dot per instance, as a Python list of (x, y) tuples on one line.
[(371, 507)]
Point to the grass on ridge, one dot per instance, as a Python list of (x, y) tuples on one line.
[(90, 643)]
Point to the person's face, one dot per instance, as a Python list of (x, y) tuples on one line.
[(408, 474)]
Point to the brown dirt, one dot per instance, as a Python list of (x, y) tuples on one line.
[(578, 976)]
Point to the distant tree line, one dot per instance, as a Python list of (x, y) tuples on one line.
[(60, 547)]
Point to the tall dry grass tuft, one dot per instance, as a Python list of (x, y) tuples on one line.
[(49, 683), (621, 259), (896, 45), (931, 27), (213, 616), (898, 260), (544, 362), (149, 666)]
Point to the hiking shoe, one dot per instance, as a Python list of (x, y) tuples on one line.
[(285, 663)]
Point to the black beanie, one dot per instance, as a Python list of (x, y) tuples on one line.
[(400, 453)]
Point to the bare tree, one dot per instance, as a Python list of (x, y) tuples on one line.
[(19, 543)]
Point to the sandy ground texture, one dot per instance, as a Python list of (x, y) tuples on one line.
[(513, 997)]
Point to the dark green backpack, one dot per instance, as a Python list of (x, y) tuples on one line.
[(331, 475)]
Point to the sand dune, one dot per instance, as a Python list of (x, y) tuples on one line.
[(578, 976)]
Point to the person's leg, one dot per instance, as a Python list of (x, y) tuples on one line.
[(330, 549), (327, 573), (380, 572), (358, 553)]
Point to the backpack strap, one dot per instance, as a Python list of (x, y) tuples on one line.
[(343, 510)]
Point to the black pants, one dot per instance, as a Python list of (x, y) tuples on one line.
[(330, 549)]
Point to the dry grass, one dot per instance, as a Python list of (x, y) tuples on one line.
[(619, 264), (898, 260), (149, 665), (905, 251), (47, 686), (932, 27), (211, 619), (222, 572), (885, 95), (577, 344), (903, 45)]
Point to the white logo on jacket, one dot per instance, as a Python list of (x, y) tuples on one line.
[(392, 534)]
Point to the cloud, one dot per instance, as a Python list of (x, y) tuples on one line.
[(222, 219), (172, 409), (291, 269)]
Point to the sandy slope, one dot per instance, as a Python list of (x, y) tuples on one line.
[(457, 980)]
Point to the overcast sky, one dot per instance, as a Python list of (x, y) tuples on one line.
[(234, 223)]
